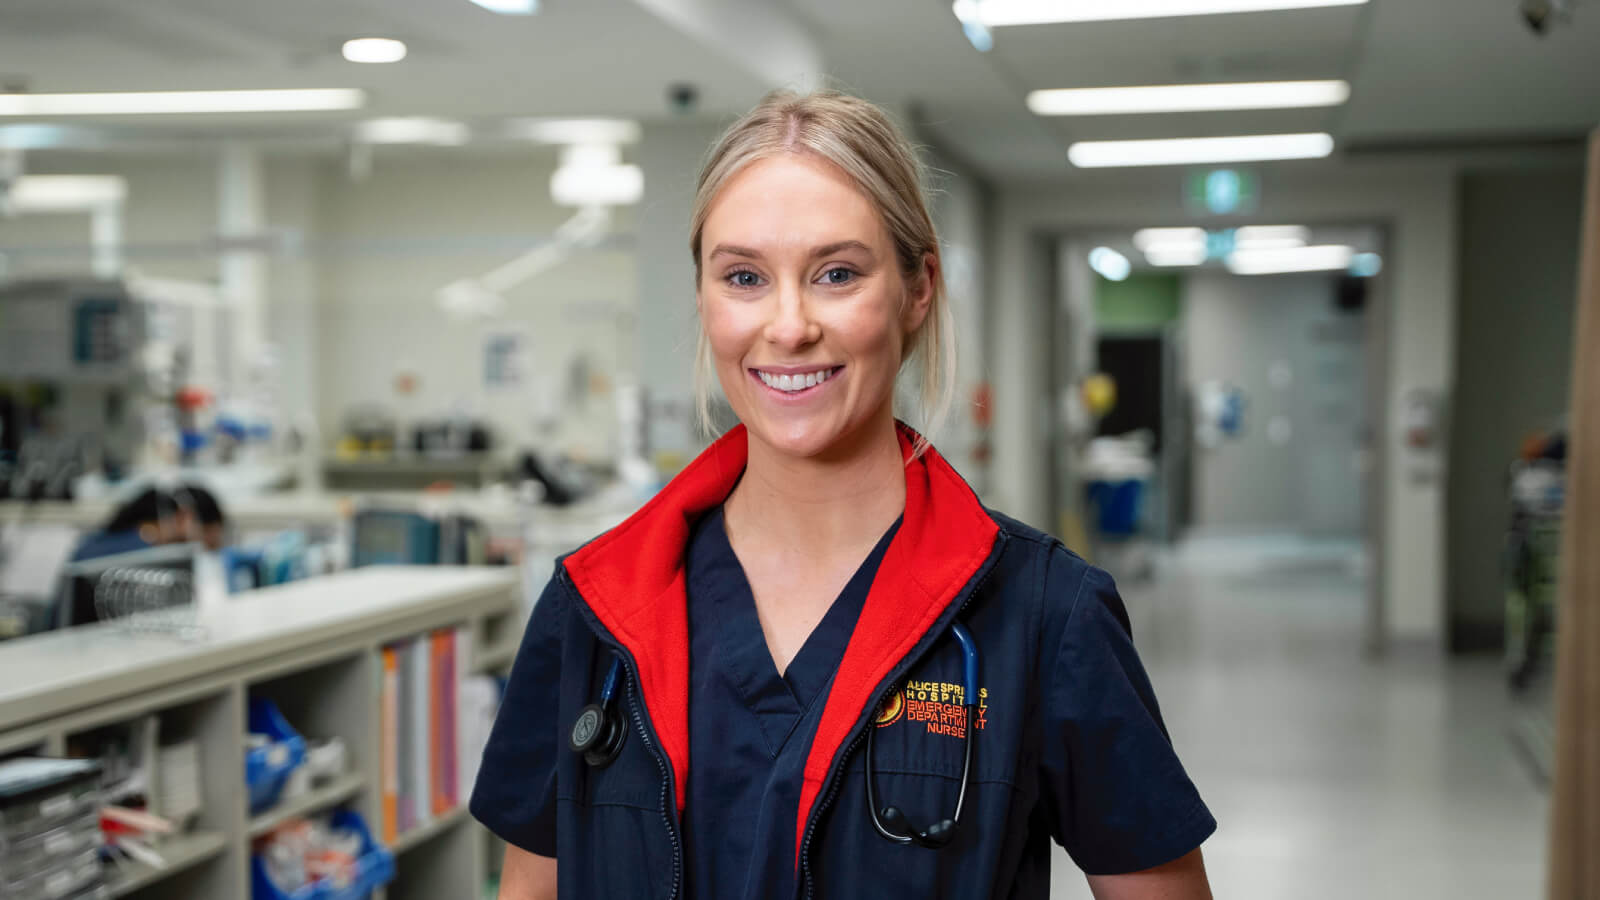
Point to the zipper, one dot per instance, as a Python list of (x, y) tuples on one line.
[(835, 777), (642, 726)]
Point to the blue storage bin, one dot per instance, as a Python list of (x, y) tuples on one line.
[(266, 769), (374, 869), (1116, 507)]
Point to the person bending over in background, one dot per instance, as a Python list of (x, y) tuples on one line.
[(814, 664)]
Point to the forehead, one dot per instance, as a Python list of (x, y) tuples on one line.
[(792, 202)]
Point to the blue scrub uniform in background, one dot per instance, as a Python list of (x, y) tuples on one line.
[(751, 727)]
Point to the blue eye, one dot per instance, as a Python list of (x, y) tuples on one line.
[(744, 278), (838, 275)]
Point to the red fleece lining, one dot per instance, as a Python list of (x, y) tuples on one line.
[(633, 579), (943, 541)]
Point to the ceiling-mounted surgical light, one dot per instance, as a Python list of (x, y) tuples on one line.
[(374, 50), (1172, 98), (997, 13), (1199, 151), (1111, 265), (594, 175)]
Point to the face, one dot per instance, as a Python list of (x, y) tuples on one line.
[(804, 305)]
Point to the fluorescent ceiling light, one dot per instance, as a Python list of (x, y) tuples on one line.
[(586, 185), (1113, 266), (1147, 238), (1187, 98), (65, 193), (1198, 151), (1171, 255), (1324, 258), (1270, 237), (158, 103), (374, 50), (575, 131), (995, 13), (412, 130), (510, 7)]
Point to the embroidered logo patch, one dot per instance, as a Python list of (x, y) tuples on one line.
[(892, 708), (942, 706)]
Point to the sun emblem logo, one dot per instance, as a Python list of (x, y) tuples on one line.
[(892, 708)]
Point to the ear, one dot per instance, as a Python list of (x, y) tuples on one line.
[(919, 295)]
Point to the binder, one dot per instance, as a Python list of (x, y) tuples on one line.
[(441, 734), (389, 744), (420, 787), (406, 729)]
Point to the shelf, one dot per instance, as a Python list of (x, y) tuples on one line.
[(314, 800), (493, 659), (183, 852), (418, 835)]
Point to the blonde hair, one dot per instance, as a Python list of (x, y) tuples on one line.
[(859, 138)]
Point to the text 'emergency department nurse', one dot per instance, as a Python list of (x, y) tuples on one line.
[(814, 665)]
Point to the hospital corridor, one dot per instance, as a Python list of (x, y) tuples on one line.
[(1339, 776), (799, 449)]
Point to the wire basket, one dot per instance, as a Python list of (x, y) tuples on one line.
[(148, 601)]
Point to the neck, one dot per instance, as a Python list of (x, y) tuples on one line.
[(815, 506)]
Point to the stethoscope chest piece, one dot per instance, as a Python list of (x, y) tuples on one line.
[(598, 734)]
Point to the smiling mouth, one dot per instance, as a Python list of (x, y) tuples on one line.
[(794, 383)]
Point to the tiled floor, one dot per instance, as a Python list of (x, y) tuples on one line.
[(1331, 776)]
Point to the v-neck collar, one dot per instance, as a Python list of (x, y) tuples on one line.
[(721, 598)]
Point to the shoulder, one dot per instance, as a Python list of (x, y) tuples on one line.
[(1067, 589)]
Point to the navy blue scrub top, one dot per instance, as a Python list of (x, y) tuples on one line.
[(750, 728)]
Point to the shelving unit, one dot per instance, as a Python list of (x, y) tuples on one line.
[(312, 647)]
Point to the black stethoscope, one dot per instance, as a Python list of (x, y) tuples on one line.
[(599, 732)]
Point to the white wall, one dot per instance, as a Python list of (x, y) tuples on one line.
[(386, 244), (961, 211), (670, 155), (1416, 201)]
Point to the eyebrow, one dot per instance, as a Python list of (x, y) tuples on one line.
[(824, 250)]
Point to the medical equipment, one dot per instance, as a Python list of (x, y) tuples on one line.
[(599, 732), (890, 821)]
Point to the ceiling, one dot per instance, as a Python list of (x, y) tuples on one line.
[(1424, 73)]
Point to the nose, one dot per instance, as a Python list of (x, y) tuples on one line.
[(792, 326)]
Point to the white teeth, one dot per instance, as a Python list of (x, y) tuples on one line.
[(792, 383)]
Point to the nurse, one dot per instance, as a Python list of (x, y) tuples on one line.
[(814, 664)]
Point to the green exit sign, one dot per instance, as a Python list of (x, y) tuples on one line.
[(1221, 192)]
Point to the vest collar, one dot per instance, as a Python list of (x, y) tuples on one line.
[(633, 579)]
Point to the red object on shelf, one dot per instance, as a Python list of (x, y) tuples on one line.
[(192, 398)]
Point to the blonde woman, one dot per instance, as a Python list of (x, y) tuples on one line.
[(815, 665)]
